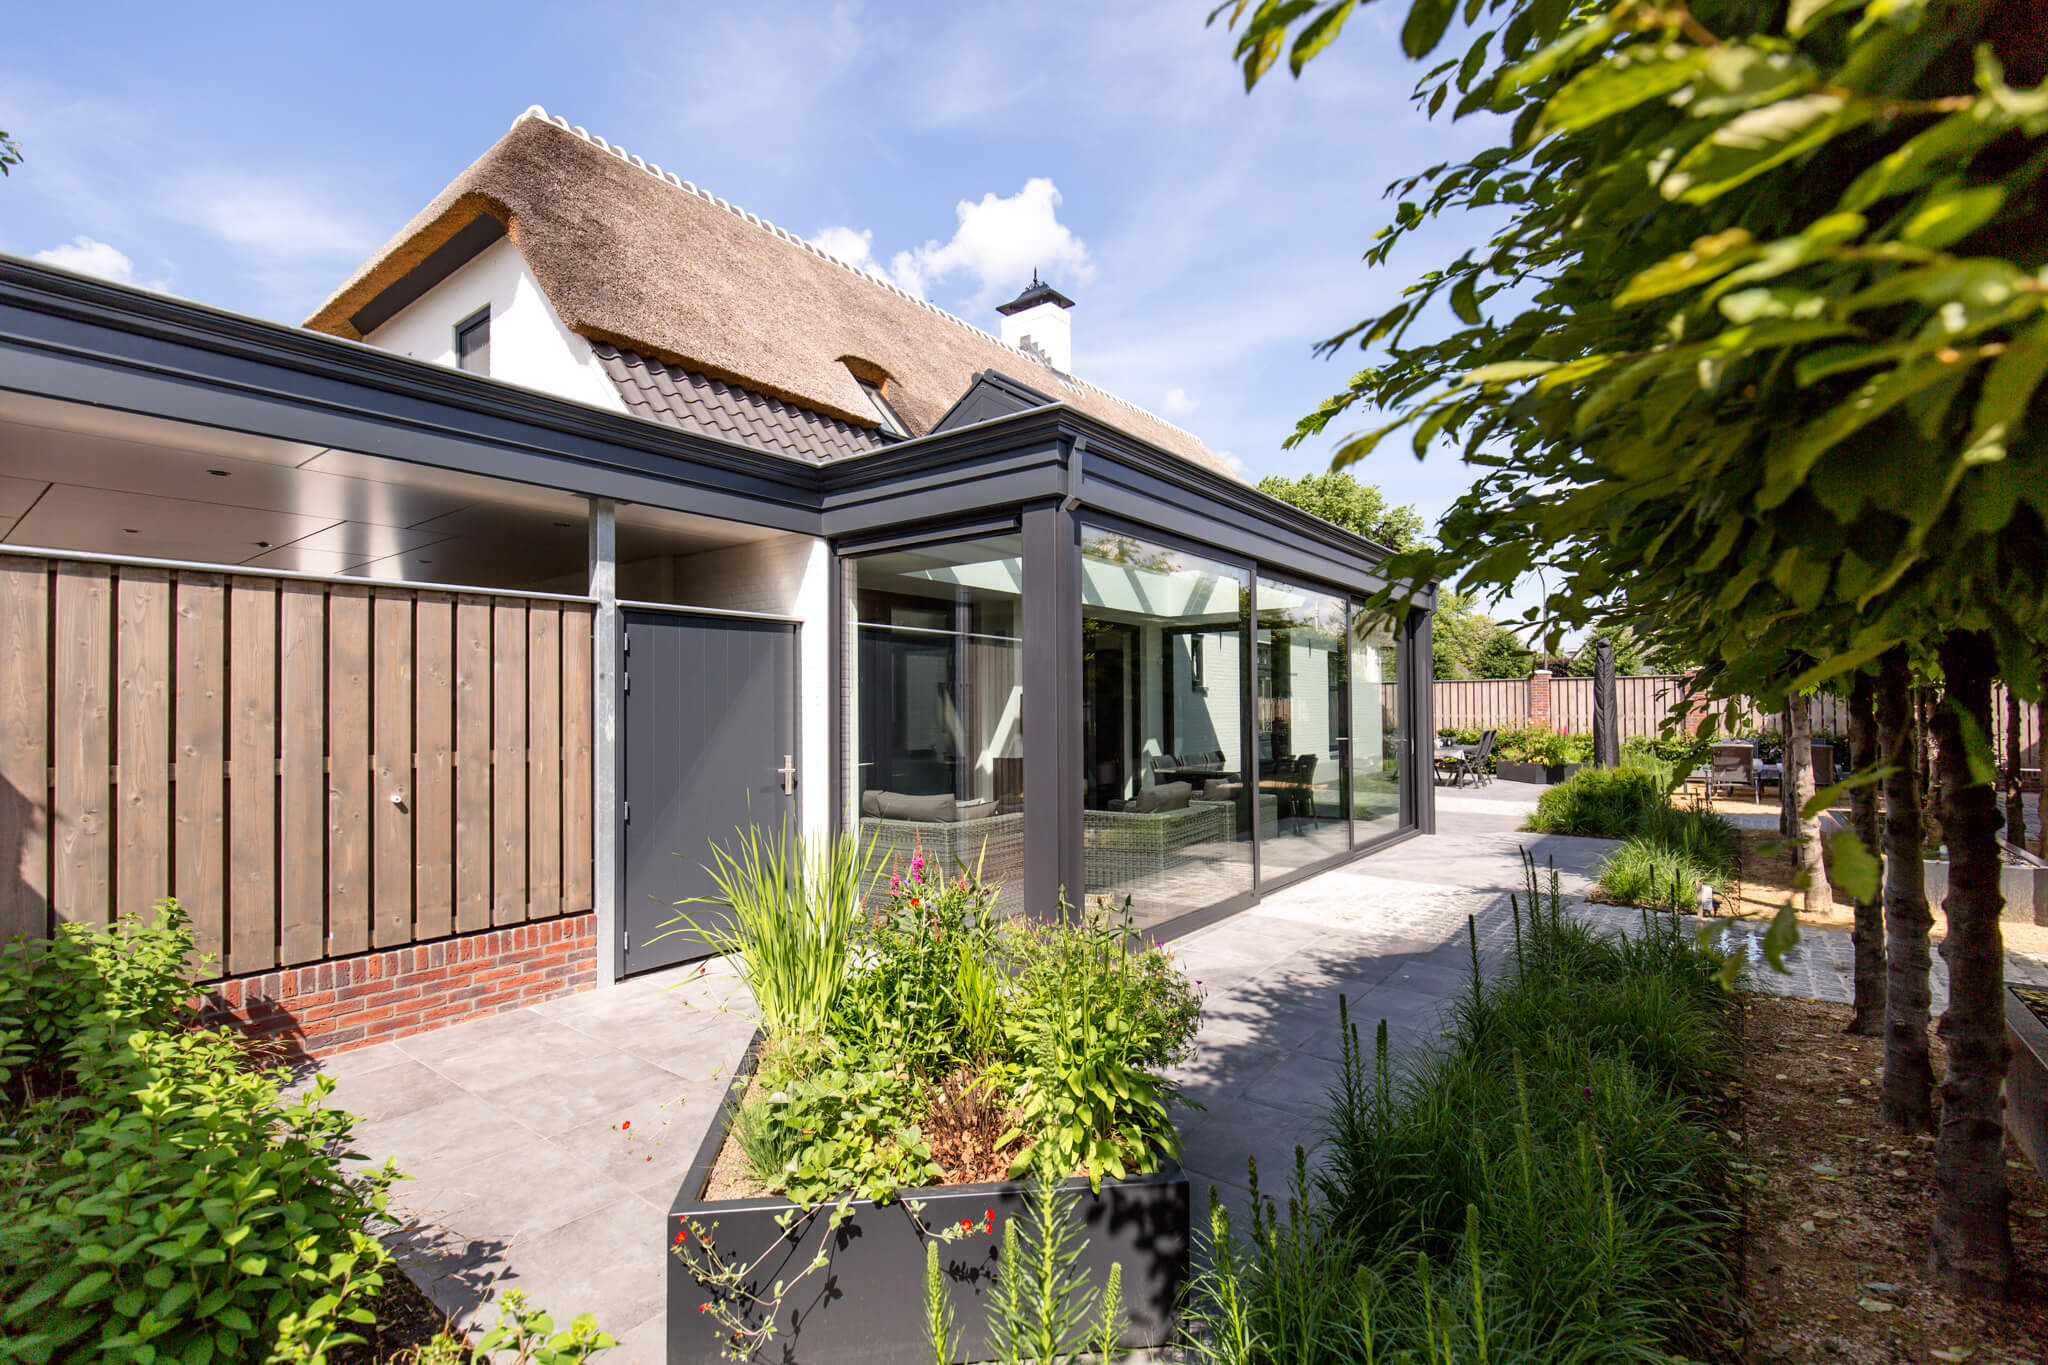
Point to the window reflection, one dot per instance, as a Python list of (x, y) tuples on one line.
[(1301, 728), (1167, 804), (1376, 721), (939, 760)]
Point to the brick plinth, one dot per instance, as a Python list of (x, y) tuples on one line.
[(1539, 699), (328, 1007)]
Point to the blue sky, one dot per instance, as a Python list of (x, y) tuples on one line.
[(250, 157)]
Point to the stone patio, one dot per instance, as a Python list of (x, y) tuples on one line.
[(547, 1143)]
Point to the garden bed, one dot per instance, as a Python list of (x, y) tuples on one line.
[(1548, 774), (864, 1306), (952, 1135), (1836, 1208)]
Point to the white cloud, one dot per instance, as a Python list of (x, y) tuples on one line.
[(89, 256), (999, 243), (1178, 402), (855, 247), (275, 218)]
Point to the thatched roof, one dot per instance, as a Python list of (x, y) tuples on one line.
[(634, 257)]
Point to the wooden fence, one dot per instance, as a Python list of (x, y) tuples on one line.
[(312, 768), (1644, 702)]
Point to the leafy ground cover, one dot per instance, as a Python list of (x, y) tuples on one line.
[(163, 1199), (1551, 1185)]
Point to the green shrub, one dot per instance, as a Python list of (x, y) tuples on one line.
[(1603, 803), (1679, 752), (1677, 852), (158, 1198), (1547, 1188), (1061, 1025)]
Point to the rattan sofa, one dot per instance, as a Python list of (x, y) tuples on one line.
[(1126, 849), (995, 844)]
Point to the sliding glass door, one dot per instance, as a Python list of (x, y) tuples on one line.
[(1167, 796), (1303, 730), (1378, 737)]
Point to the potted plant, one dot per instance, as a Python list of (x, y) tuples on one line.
[(932, 1066), (1543, 756)]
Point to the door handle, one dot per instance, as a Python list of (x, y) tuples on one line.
[(788, 774)]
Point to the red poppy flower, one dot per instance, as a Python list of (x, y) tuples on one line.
[(683, 1236), (627, 1124)]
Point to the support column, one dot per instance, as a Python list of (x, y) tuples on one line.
[(1418, 756), (609, 873), (1052, 709)]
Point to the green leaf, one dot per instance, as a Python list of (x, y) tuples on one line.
[(1977, 753), (1790, 463), (1465, 300), (1427, 20), (1853, 867), (1940, 150), (1560, 54), (2008, 391), (1806, 13), (1627, 78), (1782, 937), (1737, 76), (1506, 370), (1318, 34), (1825, 798), (1752, 143), (1950, 217), (1702, 261)]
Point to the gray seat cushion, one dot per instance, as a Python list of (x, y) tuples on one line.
[(1164, 797)]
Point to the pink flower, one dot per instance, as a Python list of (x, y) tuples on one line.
[(895, 883)]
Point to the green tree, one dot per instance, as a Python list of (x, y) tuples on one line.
[(10, 152), (1631, 655), (1360, 508), (1501, 655), (1772, 377)]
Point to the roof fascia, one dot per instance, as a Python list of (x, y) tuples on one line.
[(73, 337)]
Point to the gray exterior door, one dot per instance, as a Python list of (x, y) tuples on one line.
[(710, 720)]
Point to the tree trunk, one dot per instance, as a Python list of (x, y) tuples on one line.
[(1971, 1249), (1867, 937), (1788, 776), (1816, 898), (1907, 1096), (1930, 772), (2015, 803)]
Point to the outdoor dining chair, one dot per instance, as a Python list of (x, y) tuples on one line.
[(1732, 765), (1473, 764)]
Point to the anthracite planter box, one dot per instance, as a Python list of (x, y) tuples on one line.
[(2026, 1079), (1548, 774), (868, 1303)]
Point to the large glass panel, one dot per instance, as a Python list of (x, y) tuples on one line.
[(1167, 807), (939, 753), (1301, 730), (1376, 727)]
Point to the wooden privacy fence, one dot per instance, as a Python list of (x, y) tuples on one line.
[(312, 768), (1645, 700)]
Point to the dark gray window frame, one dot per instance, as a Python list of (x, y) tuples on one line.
[(481, 318)]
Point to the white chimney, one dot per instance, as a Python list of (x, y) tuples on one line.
[(1036, 323)]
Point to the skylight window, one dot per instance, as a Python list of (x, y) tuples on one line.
[(891, 423)]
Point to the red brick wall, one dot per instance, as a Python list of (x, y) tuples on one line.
[(353, 1002), (1539, 699)]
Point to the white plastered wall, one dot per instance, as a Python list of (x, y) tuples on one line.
[(529, 345)]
